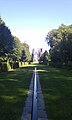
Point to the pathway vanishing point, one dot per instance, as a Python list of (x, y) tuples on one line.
[(27, 111)]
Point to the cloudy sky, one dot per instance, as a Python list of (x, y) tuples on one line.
[(31, 20)]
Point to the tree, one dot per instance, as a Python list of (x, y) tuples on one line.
[(44, 58), (40, 51), (60, 41), (6, 41), (17, 49), (25, 52), (32, 55), (11, 49)]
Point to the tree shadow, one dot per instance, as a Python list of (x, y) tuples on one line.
[(14, 87), (57, 91)]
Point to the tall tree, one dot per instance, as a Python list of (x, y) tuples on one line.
[(32, 55), (6, 41), (60, 41), (25, 52), (44, 58), (17, 49), (10, 46)]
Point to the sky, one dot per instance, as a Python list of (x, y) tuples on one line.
[(31, 20)]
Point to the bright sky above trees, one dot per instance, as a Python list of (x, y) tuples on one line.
[(30, 20)]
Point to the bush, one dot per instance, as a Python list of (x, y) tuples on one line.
[(23, 63), (0, 67), (11, 64), (55, 64), (69, 65), (5, 66), (8, 66), (15, 65), (29, 62)]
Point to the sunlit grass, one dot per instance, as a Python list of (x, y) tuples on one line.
[(56, 86), (57, 91), (42, 71), (14, 88)]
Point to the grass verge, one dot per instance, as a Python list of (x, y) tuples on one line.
[(14, 87), (57, 91), (56, 86)]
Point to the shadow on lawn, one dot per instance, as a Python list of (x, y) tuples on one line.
[(14, 87), (56, 86), (57, 91)]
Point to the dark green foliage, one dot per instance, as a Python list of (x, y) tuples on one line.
[(17, 49), (16, 65), (6, 40), (11, 49), (32, 56), (25, 52), (22, 63), (57, 91), (5, 66), (14, 87), (11, 64), (60, 41), (44, 59), (23, 57), (8, 66), (0, 67)]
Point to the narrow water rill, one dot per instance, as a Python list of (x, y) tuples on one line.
[(34, 100), (34, 108)]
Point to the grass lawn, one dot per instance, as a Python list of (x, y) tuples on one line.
[(14, 87), (56, 86), (57, 91)]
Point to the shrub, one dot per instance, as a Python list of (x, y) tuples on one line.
[(21, 64), (0, 67), (25, 63), (11, 64), (69, 65), (15, 65), (5, 66)]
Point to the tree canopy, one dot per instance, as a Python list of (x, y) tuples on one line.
[(44, 58), (25, 52), (10, 46), (6, 40), (60, 41)]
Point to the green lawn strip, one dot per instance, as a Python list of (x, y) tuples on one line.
[(57, 91), (14, 87)]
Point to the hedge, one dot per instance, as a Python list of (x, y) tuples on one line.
[(7, 66)]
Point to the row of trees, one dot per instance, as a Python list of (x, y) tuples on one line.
[(44, 58), (60, 42), (11, 49)]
